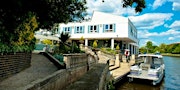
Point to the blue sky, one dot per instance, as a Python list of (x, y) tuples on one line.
[(159, 22)]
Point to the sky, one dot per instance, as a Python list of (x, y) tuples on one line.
[(159, 22)]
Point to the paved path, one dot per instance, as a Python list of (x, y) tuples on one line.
[(40, 68), (119, 72)]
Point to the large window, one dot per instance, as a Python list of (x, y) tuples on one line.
[(79, 29), (109, 27), (67, 29), (93, 29)]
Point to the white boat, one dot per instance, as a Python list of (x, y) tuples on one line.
[(152, 68)]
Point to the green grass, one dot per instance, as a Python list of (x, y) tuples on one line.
[(169, 54), (108, 51)]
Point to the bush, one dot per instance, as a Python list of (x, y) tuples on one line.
[(59, 57), (95, 44), (108, 51), (117, 47)]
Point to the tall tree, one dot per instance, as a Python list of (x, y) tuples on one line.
[(14, 13), (163, 47), (138, 4), (142, 50), (149, 46)]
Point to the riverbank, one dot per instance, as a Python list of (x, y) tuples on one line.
[(169, 54)]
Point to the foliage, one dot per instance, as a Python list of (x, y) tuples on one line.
[(176, 50), (138, 4), (162, 48), (20, 18), (47, 11), (111, 85), (22, 38), (149, 46), (95, 44), (75, 49), (142, 50), (64, 37), (59, 57), (47, 41), (108, 51), (117, 47), (81, 40)]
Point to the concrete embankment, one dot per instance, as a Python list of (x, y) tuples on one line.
[(94, 79)]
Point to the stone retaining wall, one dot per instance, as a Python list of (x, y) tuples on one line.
[(12, 63), (95, 79), (78, 60), (76, 66), (58, 80)]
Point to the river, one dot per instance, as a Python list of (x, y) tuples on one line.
[(171, 80)]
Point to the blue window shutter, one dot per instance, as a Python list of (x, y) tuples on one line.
[(83, 29), (70, 28), (88, 28), (97, 28), (114, 27), (63, 29), (103, 27), (75, 28)]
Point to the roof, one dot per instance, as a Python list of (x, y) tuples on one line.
[(151, 55), (104, 17)]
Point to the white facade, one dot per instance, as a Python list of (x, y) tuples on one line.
[(103, 26)]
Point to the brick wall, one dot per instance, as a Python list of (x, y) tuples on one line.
[(12, 63)]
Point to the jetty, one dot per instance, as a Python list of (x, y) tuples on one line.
[(118, 66)]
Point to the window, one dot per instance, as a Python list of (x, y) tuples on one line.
[(79, 29), (109, 28), (67, 29), (93, 28)]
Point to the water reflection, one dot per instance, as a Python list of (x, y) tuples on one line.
[(171, 80)]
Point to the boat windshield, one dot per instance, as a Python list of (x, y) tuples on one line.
[(154, 62), (150, 60)]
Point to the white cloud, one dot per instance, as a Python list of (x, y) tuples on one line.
[(150, 20), (175, 25), (176, 5), (158, 3), (144, 41), (147, 34), (109, 6), (171, 38)]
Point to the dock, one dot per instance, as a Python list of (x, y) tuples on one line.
[(118, 69)]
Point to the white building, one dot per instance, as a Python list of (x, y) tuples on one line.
[(108, 29)]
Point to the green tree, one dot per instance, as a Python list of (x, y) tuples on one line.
[(47, 12), (155, 49), (24, 34), (177, 49), (149, 46), (142, 50), (63, 46), (163, 47), (138, 4)]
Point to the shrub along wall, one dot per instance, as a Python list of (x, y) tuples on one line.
[(12, 63)]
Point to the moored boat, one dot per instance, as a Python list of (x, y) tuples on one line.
[(152, 68)]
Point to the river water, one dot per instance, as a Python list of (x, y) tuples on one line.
[(171, 80)]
